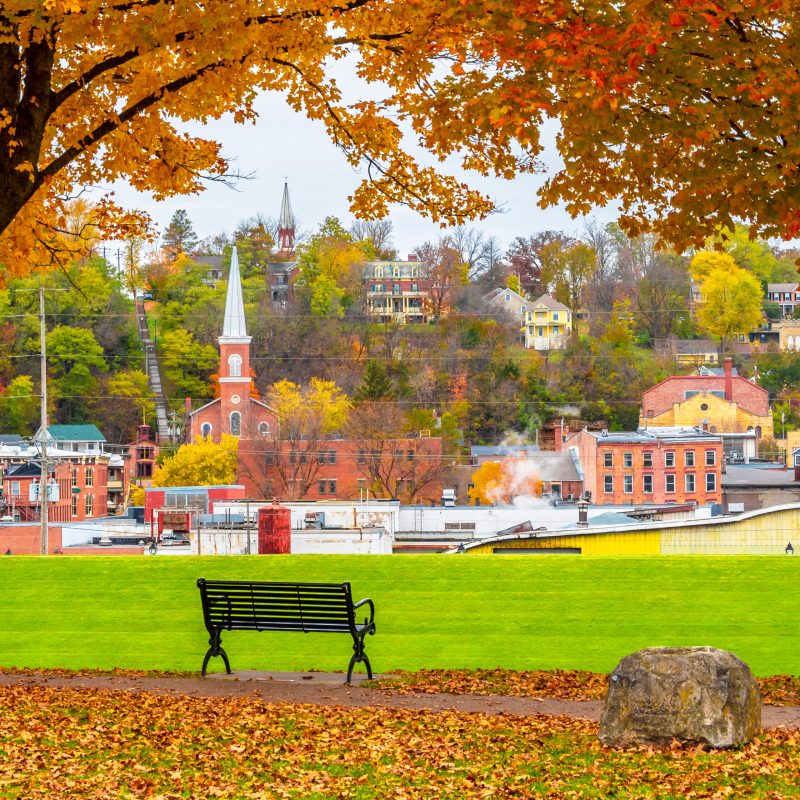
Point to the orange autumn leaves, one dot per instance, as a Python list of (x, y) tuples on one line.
[(70, 743), (682, 111)]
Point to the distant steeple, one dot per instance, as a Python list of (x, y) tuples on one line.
[(286, 224), (234, 324)]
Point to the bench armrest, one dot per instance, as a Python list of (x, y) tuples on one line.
[(366, 602)]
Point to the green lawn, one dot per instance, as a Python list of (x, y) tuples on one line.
[(517, 612)]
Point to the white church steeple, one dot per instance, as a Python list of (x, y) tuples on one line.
[(234, 325)]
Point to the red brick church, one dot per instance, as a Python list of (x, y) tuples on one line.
[(235, 411)]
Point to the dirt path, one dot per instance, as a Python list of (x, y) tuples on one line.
[(329, 689)]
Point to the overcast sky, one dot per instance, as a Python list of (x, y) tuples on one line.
[(284, 144)]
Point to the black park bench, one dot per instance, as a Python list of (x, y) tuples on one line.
[(303, 607)]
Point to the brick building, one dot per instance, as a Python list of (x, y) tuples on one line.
[(726, 403), (666, 465), (235, 411), (394, 291), (407, 469), (82, 488)]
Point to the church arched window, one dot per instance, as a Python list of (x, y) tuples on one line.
[(235, 366), (205, 430), (236, 423), (263, 429)]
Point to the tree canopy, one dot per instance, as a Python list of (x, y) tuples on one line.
[(681, 111)]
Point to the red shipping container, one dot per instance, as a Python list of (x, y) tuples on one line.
[(274, 530)]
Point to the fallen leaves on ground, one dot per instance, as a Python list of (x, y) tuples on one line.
[(778, 690), (78, 743)]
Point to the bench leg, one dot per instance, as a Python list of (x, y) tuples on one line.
[(214, 650), (359, 655)]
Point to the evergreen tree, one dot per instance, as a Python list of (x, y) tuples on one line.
[(376, 384), (179, 237)]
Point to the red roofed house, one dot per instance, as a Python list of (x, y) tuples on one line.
[(718, 403)]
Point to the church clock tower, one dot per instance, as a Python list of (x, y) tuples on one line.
[(234, 355)]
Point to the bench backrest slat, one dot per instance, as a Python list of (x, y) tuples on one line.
[(277, 606)]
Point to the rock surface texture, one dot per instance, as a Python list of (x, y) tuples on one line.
[(692, 694)]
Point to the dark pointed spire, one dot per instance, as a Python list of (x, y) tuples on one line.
[(286, 224)]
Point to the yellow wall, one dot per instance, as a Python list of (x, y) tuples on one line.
[(721, 414), (764, 532)]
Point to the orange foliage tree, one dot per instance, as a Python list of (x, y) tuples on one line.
[(495, 483), (683, 111)]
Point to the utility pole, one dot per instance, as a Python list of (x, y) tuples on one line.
[(43, 480)]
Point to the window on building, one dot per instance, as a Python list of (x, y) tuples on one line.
[(90, 477), (608, 484), (235, 366), (269, 458), (89, 503), (669, 484), (74, 505), (608, 459), (263, 429), (331, 456), (362, 455), (555, 330), (711, 458), (236, 423), (627, 484), (332, 487), (690, 393), (711, 481), (669, 458), (690, 482), (647, 484), (15, 488), (647, 458), (555, 316), (688, 458), (205, 430), (409, 455), (292, 457), (144, 469), (627, 459), (74, 476), (321, 486), (414, 287)]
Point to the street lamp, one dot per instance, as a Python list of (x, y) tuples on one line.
[(789, 549)]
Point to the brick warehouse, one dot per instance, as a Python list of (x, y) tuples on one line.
[(653, 466)]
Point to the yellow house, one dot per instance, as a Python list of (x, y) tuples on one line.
[(706, 409), (548, 324)]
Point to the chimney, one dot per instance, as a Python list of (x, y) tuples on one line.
[(583, 512), (558, 434), (729, 379)]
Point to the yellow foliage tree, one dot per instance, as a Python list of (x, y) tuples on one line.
[(731, 303), (706, 261), (486, 482), (203, 463), (306, 415)]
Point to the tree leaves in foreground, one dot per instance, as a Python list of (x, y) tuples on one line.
[(681, 110), (70, 743)]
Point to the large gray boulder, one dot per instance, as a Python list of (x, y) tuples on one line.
[(692, 694)]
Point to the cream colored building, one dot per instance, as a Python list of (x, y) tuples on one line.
[(548, 324)]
